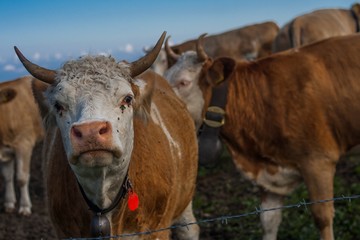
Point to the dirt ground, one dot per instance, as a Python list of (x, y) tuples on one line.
[(38, 225), (220, 191)]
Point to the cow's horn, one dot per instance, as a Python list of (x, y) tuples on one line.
[(202, 56), (140, 65), (169, 52), (38, 72)]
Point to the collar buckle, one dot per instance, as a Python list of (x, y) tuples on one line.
[(214, 117)]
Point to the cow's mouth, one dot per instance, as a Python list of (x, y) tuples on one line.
[(96, 157)]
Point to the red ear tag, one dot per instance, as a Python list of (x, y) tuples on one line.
[(133, 201)]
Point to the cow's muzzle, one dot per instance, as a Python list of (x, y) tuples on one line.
[(92, 144)]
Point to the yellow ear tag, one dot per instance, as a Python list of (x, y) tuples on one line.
[(221, 78)]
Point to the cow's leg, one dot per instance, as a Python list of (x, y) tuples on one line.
[(189, 232), (319, 178), (270, 220), (8, 173), (23, 159)]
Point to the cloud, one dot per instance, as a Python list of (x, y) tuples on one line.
[(84, 52), (129, 48), (36, 56), (58, 56), (9, 68), (105, 53)]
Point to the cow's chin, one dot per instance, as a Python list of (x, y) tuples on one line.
[(95, 158)]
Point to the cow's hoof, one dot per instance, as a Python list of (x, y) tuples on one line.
[(9, 207), (25, 211)]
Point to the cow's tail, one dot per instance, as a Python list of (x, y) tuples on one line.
[(295, 33)]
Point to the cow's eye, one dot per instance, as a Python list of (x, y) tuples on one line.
[(128, 100), (59, 108)]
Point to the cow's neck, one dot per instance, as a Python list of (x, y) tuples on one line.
[(253, 134), (248, 118), (101, 185), (101, 211)]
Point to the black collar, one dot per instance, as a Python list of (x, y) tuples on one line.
[(210, 146), (121, 194)]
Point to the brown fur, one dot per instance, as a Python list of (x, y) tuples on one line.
[(20, 110), (236, 43), (21, 126), (165, 184), (296, 109), (315, 26)]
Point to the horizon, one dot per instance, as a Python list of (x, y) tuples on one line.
[(52, 32)]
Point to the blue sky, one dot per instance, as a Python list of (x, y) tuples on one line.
[(51, 32)]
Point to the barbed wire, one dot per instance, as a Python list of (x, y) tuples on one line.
[(224, 219)]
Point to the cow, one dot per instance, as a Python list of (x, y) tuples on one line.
[(288, 117), (317, 25), (115, 130), (245, 43), (20, 130)]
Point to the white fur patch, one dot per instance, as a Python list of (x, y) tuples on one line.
[(156, 117), (283, 182), (140, 83)]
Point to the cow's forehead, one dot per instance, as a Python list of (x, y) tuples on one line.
[(90, 77), (91, 71), (187, 62)]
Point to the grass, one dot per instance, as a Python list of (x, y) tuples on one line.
[(223, 191)]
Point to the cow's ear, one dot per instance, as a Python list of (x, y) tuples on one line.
[(143, 90), (355, 8), (7, 94), (220, 70), (38, 88)]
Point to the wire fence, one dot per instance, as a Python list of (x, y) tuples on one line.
[(224, 219)]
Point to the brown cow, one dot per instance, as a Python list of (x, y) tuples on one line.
[(317, 25), (20, 129), (245, 43), (289, 116), (114, 130)]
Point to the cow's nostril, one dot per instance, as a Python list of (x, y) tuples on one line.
[(76, 132), (103, 130)]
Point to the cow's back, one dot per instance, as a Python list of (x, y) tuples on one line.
[(341, 98), (323, 24), (240, 43), (321, 84), (315, 26)]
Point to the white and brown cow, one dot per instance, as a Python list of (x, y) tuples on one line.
[(20, 130), (288, 117), (317, 25), (114, 130)]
